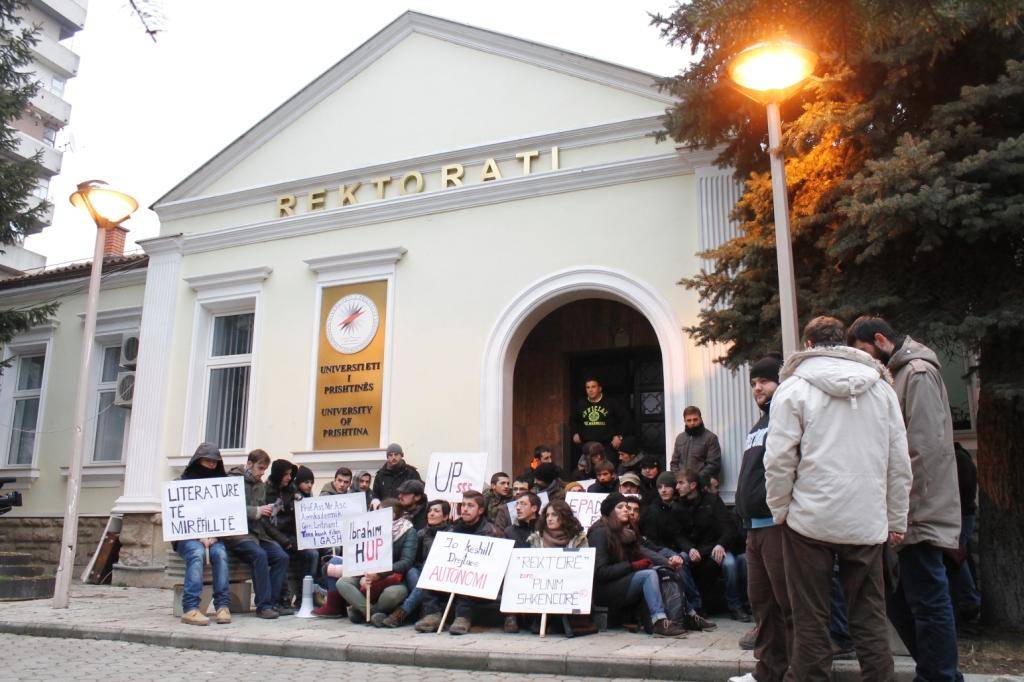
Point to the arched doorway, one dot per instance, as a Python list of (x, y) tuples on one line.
[(533, 304), (588, 337)]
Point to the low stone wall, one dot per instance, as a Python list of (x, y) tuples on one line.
[(40, 537)]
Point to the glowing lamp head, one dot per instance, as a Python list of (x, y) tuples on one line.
[(107, 207), (771, 71)]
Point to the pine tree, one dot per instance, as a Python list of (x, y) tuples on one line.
[(17, 176), (905, 172)]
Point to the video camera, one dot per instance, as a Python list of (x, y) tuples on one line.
[(11, 499)]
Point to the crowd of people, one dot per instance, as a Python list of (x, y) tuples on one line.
[(851, 508)]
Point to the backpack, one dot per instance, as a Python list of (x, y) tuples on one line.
[(671, 596)]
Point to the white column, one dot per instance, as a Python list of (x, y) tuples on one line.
[(143, 462)]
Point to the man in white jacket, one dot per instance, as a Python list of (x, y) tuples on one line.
[(838, 475)]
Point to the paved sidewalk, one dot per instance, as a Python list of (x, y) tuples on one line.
[(144, 616)]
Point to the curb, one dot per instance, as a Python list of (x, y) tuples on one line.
[(493, 661)]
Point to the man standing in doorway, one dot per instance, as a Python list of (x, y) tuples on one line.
[(394, 473), (696, 449), (599, 418), (921, 609)]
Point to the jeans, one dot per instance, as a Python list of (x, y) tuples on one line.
[(415, 598), (193, 554), (734, 568), (269, 563), (838, 624), (646, 582), (922, 613), (327, 581), (968, 597), (309, 560)]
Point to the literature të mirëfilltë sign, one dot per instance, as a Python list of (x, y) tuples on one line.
[(350, 366)]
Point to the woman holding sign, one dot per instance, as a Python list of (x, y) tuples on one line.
[(622, 575), (386, 589)]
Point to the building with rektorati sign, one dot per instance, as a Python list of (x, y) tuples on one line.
[(433, 243)]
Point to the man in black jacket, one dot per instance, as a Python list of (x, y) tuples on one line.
[(393, 474), (527, 511), (599, 418), (766, 578), (712, 530)]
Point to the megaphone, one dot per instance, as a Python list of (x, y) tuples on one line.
[(306, 610)]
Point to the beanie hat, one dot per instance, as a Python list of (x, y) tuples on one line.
[(767, 368), (410, 487), (304, 474), (394, 449), (546, 472), (667, 478), (628, 445), (649, 462), (608, 503), (629, 477)]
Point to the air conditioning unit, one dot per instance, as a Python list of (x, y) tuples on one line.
[(125, 389), (129, 351)]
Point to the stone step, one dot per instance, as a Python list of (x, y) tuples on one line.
[(16, 589), (15, 559), (22, 571)]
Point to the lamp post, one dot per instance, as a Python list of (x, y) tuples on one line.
[(768, 73), (108, 210)]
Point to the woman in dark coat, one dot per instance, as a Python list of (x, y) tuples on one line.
[(622, 576)]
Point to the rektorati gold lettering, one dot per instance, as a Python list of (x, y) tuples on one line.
[(413, 182)]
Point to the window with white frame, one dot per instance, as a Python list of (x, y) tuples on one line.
[(111, 420), (26, 400), (228, 368), (57, 85), (50, 135)]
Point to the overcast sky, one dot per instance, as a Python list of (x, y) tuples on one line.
[(145, 115)]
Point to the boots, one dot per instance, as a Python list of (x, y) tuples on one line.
[(223, 615), (194, 617), (334, 607), (394, 620), (428, 623)]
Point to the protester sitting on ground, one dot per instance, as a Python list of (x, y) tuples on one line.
[(309, 558), (281, 477), (521, 486), (664, 521), (206, 462), (527, 511), (341, 484), (545, 480), (393, 474), (413, 503), (281, 493), (472, 521), (497, 497), (606, 482), (556, 527), (593, 454), (269, 562), (541, 455), (650, 468), (629, 484), (623, 577), (677, 566), (387, 590), (712, 531), (437, 520), (366, 486), (629, 458)]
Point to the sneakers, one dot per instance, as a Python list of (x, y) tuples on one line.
[(666, 628), (393, 620), (193, 617), (267, 614), (428, 623), (695, 621), (223, 616), (749, 677), (285, 610), (748, 639), (511, 625), (740, 615), (460, 626)]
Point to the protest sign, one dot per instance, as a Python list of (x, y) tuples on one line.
[(318, 520), (473, 565), (512, 506), (450, 474), (204, 508), (549, 581), (586, 507), (367, 545)]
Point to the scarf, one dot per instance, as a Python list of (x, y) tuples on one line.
[(695, 431), (399, 528), (554, 538)]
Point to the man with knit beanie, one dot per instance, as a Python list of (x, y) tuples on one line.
[(766, 578)]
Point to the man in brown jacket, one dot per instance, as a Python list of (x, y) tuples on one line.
[(921, 610), (696, 449)]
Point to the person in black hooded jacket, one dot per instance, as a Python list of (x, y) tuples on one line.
[(205, 463), (393, 474)]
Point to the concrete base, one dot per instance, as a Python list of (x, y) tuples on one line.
[(141, 560), (241, 598)]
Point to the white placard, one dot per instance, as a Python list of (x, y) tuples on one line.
[(318, 520), (586, 507), (512, 506), (450, 474), (367, 546), (473, 565), (549, 581), (204, 508)]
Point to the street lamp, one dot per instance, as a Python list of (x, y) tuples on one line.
[(108, 209), (768, 73)]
